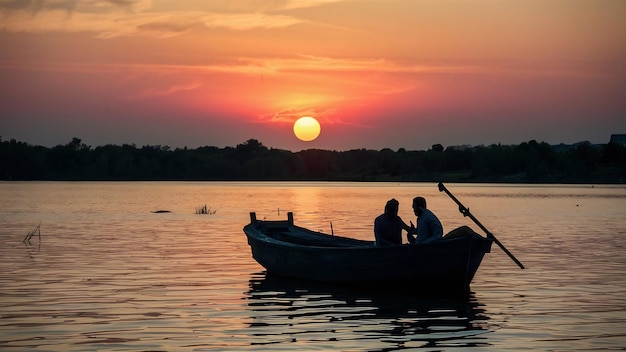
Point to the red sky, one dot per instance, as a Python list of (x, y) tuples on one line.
[(375, 73)]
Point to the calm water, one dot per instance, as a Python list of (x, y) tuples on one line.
[(110, 275)]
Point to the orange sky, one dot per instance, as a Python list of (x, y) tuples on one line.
[(375, 73)]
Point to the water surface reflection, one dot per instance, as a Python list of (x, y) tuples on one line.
[(308, 315)]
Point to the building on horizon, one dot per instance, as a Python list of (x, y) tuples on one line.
[(618, 138)]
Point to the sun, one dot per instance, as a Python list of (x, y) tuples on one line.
[(306, 128)]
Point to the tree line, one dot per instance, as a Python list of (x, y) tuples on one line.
[(528, 162)]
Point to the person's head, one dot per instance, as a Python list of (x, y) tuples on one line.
[(419, 205), (391, 208)]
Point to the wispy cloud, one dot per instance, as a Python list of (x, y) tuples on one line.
[(155, 92), (328, 116), (297, 4), (71, 6), (248, 21), (304, 64), (319, 63), (258, 6), (291, 114), (115, 18)]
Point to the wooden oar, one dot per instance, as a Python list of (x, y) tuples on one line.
[(466, 212)]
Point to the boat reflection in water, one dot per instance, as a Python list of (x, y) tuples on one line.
[(297, 314)]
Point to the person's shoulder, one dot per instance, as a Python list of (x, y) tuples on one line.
[(432, 213), (428, 213)]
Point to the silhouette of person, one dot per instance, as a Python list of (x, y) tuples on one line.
[(428, 225), (388, 226)]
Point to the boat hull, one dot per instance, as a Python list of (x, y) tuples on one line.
[(449, 264)]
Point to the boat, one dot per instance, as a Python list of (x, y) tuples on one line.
[(287, 250)]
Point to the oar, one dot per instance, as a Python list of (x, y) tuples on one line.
[(466, 212)]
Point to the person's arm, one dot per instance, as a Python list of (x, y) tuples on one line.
[(424, 228), (410, 232), (404, 226)]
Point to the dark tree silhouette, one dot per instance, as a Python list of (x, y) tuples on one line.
[(530, 162)]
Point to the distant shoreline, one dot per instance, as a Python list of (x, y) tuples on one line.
[(591, 185), (528, 163)]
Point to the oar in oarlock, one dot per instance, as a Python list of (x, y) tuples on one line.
[(466, 212)]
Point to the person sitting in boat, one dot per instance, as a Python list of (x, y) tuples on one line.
[(388, 226), (428, 225)]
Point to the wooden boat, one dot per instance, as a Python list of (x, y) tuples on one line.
[(447, 265)]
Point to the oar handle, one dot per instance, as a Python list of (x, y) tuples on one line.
[(462, 209), (466, 212)]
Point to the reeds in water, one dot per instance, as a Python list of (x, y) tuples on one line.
[(36, 230), (205, 210)]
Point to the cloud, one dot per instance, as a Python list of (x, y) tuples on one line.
[(161, 25), (250, 6), (291, 114), (70, 6), (298, 4), (316, 65), (287, 115), (118, 18), (154, 92), (248, 21), (297, 64)]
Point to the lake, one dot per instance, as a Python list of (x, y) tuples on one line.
[(107, 273)]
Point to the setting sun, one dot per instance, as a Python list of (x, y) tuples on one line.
[(306, 128)]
